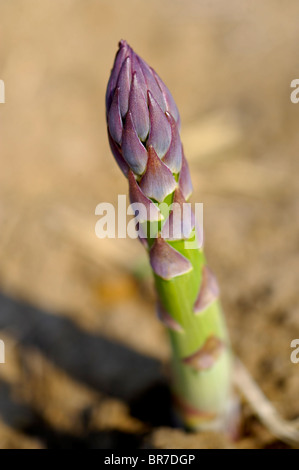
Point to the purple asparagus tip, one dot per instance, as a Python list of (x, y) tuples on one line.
[(142, 115), (144, 135)]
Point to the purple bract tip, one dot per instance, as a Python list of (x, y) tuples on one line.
[(167, 262), (181, 220), (147, 210), (157, 181), (208, 292), (167, 319)]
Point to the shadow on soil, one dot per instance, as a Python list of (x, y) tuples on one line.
[(108, 367)]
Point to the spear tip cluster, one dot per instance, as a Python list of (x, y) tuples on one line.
[(143, 126)]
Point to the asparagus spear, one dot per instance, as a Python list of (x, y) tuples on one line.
[(143, 129)]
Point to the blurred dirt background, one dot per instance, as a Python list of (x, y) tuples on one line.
[(86, 359)]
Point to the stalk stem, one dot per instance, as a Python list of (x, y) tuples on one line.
[(201, 355)]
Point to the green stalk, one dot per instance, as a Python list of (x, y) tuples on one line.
[(202, 398)]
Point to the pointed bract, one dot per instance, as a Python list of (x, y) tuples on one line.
[(160, 130), (137, 69), (167, 319), (150, 211), (157, 181), (167, 262), (118, 62), (138, 108), (152, 84), (114, 119), (124, 84), (142, 236), (133, 150), (174, 155), (170, 103), (185, 182), (208, 292), (118, 156), (206, 356), (181, 220)]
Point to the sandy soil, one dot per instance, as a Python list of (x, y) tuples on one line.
[(86, 359)]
